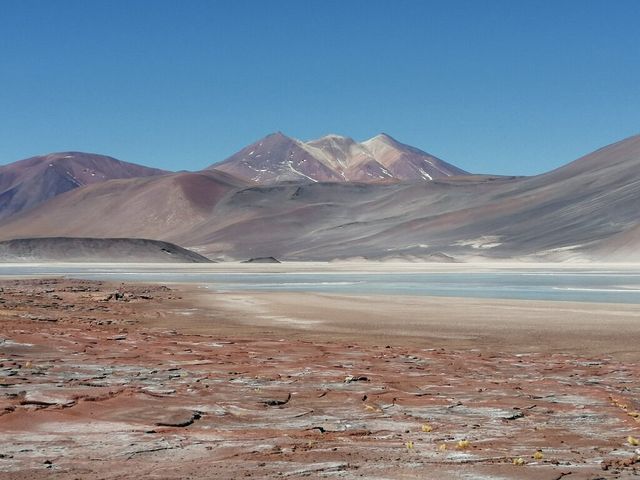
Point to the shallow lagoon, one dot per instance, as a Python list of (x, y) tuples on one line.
[(582, 284)]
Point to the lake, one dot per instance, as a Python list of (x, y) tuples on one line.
[(562, 284)]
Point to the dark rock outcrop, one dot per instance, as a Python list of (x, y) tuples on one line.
[(64, 249)]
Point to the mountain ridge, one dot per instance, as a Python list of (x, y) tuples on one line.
[(584, 210), (279, 158)]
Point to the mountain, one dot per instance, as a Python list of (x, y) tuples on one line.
[(585, 210), (571, 213), (136, 250), (158, 207), (27, 183), (333, 158)]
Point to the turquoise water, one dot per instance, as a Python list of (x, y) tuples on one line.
[(584, 286)]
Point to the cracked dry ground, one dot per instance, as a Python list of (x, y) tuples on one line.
[(87, 391)]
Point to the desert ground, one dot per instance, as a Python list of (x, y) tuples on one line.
[(107, 380)]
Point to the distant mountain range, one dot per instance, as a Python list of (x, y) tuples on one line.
[(336, 198)]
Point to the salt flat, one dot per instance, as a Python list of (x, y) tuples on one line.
[(110, 379)]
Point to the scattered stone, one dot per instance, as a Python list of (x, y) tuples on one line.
[(620, 462), (355, 378), (515, 416), (193, 416), (117, 296), (276, 403)]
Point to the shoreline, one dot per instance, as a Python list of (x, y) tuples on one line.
[(367, 266), (616, 288)]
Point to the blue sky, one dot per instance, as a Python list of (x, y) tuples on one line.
[(509, 87)]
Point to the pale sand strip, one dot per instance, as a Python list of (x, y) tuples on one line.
[(432, 322)]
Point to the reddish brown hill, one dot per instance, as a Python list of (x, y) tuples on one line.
[(27, 183), (160, 207)]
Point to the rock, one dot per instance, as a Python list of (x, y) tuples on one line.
[(277, 403), (179, 419), (118, 296), (355, 378), (262, 260)]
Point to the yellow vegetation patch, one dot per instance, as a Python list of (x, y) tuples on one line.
[(372, 408), (463, 444), (426, 428)]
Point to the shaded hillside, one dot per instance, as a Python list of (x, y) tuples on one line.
[(27, 183), (623, 247), (95, 250)]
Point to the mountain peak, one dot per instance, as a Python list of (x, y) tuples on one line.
[(385, 140), (383, 137), (333, 139), (273, 141), (278, 136), (334, 136)]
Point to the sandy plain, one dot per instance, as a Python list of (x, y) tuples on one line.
[(105, 380)]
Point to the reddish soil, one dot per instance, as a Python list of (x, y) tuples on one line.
[(90, 389)]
